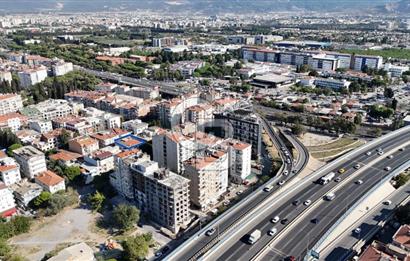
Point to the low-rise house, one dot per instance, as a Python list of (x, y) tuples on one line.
[(41, 126), (65, 158), (50, 181), (12, 121), (83, 145), (104, 160)]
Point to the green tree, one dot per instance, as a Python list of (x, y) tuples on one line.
[(403, 214), (5, 249), (71, 172), (96, 200), (298, 129), (125, 216), (13, 147), (401, 180), (358, 119), (21, 224), (63, 138), (41, 200), (388, 93), (135, 248)]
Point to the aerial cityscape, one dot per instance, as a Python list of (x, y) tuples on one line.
[(184, 130)]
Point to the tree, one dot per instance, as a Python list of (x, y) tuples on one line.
[(42, 199), (13, 147), (388, 93), (314, 73), (401, 180), (358, 119), (125, 216), (96, 200), (394, 104), (71, 172), (403, 214), (63, 138), (135, 248), (5, 249), (21, 224), (298, 129)]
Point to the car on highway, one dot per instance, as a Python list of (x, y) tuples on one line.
[(380, 153), (283, 148), (275, 219), (368, 153), (284, 221), (307, 202), (267, 188), (390, 156), (295, 170), (272, 231), (226, 203), (165, 249), (359, 182), (296, 202), (342, 170), (357, 230), (379, 149), (387, 202), (338, 179), (280, 183), (387, 168), (331, 196), (285, 173), (210, 232), (357, 166), (402, 149), (315, 221), (239, 192), (158, 254), (288, 161)]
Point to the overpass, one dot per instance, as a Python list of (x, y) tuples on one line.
[(296, 231)]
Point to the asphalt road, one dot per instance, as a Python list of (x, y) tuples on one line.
[(240, 250), (342, 248), (204, 241)]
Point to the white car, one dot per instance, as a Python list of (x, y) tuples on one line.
[(368, 153), (387, 202), (275, 219), (338, 179), (280, 183), (380, 153), (402, 148), (357, 166), (267, 189), (357, 230), (307, 202), (387, 168), (379, 149), (359, 182), (285, 173), (390, 156), (272, 231)]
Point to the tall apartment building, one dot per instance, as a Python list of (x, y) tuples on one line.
[(395, 70), (7, 204), (208, 178), (31, 77), (369, 61), (32, 161), (9, 171), (60, 68), (201, 114), (162, 194), (171, 112), (121, 178), (245, 127), (10, 103), (239, 157)]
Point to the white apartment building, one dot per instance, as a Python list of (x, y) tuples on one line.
[(332, 83), (144, 92), (372, 62), (171, 112), (60, 68), (9, 171), (162, 194), (208, 177), (50, 181), (32, 161), (395, 70), (121, 178), (6, 200), (31, 77), (136, 126), (12, 121), (5, 76), (48, 110), (239, 156), (10, 103), (201, 114), (40, 126)]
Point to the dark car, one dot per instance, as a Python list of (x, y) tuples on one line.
[(284, 221), (165, 249), (315, 221), (296, 202)]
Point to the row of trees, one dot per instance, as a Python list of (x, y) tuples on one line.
[(52, 204)]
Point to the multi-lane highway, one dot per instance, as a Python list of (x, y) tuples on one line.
[(198, 245), (297, 240)]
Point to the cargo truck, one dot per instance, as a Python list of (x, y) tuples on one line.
[(254, 236)]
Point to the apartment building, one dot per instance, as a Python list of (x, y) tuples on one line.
[(103, 160), (12, 121), (331, 83), (9, 171), (208, 178), (10, 103), (60, 68), (24, 192), (144, 92), (40, 126), (201, 114), (241, 125), (7, 204), (369, 61), (239, 157), (50, 181), (187, 68), (162, 194), (30, 77), (122, 178), (32, 161), (83, 145), (171, 112), (395, 70), (5, 76), (48, 110)]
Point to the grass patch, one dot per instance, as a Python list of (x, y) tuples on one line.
[(323, 154), (339, 143)]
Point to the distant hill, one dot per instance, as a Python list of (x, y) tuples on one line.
[(397, 7), (203, 6)]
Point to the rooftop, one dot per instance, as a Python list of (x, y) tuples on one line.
[(49, 178)]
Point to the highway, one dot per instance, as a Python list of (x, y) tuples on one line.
[(194, 248), (236, 248), (342, 248)]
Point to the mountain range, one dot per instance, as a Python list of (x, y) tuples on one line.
[(205, 6)]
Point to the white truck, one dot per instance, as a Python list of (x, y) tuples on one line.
[(327, 178), (254, 236)]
